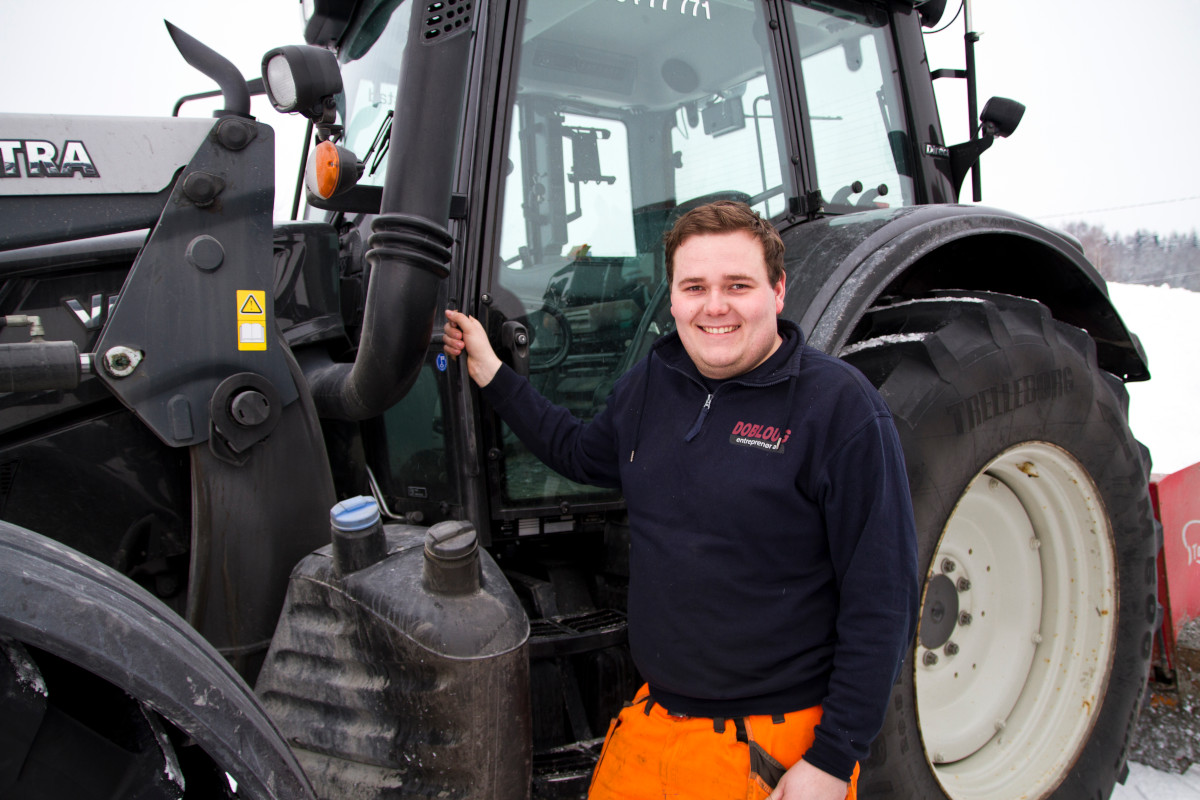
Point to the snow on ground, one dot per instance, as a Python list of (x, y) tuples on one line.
[(1147, 783), (1162, 415), (1162, 411)]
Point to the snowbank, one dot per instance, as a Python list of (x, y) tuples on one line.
[(1162, 411), (1163, 417), (1147, 783)]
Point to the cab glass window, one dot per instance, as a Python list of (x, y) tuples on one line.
[(626, 114), (855, 107)]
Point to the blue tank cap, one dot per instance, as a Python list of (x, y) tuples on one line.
[(354, 514)]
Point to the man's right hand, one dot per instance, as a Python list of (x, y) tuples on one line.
[(465, 335)]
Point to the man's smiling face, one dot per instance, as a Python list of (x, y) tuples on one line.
[(724, 305)]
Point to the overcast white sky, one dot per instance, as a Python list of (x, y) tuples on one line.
[(1110, 87)]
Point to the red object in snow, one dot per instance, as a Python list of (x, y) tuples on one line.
[(1177, 505)]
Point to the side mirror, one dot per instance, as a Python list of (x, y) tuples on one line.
[(1001, 116)]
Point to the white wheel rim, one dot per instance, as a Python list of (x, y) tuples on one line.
[(1008, 689)]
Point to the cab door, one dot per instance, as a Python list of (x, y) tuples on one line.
[(620, 116)]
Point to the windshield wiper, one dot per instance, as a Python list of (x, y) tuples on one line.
[(382, 142)]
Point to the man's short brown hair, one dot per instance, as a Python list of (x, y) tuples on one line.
[(726, 216)]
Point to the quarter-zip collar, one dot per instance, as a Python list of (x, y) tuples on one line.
[(782, 365)]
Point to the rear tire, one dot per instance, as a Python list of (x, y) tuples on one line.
[(1035, 527)]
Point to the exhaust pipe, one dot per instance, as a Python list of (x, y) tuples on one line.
[(410, 243), (215, 66)]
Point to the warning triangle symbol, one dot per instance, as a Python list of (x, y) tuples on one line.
[(251, 306)]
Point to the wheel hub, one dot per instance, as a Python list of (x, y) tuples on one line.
[(1019, 608), (940, 614)]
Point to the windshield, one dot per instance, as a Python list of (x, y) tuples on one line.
[(370, 63)]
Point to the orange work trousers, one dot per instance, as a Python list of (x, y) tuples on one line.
[(650, 753)]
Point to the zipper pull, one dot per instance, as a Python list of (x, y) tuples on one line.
[(699, 420)]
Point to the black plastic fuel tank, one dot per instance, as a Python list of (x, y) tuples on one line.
[(400, 665)]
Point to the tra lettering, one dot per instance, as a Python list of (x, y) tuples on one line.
[(42, 159)]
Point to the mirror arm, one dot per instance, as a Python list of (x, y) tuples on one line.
[(964, 156)]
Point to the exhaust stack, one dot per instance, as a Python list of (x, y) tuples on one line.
[(410, 243)]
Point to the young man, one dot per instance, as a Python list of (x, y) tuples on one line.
[(773, 582)]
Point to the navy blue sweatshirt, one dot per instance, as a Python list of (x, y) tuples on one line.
[(773, 555)]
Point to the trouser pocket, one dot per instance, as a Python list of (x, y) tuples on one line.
[(764, 767), (765, 770), (638, 706), (608, 737)]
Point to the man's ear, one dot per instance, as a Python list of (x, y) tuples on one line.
[(780, 293)]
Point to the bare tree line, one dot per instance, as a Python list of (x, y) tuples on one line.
[(1142, 257)]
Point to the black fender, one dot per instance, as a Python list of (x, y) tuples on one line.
[(838, 266), (60, 601)]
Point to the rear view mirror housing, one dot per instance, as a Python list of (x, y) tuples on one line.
[(1001, 116)]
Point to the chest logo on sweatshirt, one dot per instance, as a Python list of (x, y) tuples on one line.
[(761, 437)]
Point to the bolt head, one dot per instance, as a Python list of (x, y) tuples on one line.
[(235, 134), (964, 618), (948, 565), (250, 408), (202, 188), (963, 584), (205, 253), (951, 649), (930, 658)]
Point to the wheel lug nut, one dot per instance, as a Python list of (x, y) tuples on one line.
[(951, 649), (948, 565), (930, 658), (963, 584), (964, 618)]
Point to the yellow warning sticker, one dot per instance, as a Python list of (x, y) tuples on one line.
[(251, 319)]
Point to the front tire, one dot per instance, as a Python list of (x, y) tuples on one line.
[(105, 692), (1035, 526)]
